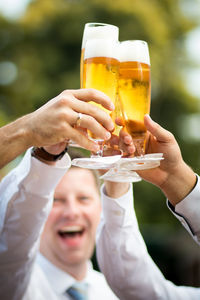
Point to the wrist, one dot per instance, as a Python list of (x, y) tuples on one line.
[(18, 131), (25, 131), (116, 189), (46, 157)]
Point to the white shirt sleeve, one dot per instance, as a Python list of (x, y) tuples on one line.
[(26, 195), (124, 260), (188, 212)]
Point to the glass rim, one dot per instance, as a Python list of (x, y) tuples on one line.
[(132, 41), (96, 24), (99, 31)]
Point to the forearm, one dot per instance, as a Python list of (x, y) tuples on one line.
[(125, 262), (121, 252), (15, 139), (132, 274), (179, 184)]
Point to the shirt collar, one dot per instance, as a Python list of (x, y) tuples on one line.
[(59, 280)]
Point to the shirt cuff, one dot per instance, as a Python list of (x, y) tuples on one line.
[(188, 211), (42, 178), (118, 211)]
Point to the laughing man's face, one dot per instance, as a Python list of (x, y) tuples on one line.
[(69, 234)]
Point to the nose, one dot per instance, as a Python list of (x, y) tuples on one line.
[(71, 208)]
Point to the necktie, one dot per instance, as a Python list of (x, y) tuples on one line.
[(78, 291)]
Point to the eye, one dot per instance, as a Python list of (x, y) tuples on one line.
[(84, 198), (58, 201)]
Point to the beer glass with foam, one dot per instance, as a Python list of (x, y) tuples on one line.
[(96, 31), (101, 67), (135, 89), (100, 71)]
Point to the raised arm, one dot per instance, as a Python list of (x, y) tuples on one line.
[(175, 178), (123, 256), (55, 122), (27, 192), (121, 251), (26, 199)]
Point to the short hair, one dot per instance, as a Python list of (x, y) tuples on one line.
[(75, 152)]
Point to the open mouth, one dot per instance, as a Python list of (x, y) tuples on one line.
[(71, 231)]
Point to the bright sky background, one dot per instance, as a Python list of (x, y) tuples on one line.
[(193, 48), (15, 8)]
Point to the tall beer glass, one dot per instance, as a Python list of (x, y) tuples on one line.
[(100, 71), (135, 89), (101, 66), (96, 31)]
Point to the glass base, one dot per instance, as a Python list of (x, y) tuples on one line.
[(116, 175), (148, 161), (98, 162)]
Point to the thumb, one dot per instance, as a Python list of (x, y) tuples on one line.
[(161, 134)]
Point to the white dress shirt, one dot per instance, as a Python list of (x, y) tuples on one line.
[(26, 197), (188, 212), (51, 283), (123, 256)]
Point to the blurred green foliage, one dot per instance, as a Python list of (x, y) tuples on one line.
[(44, 45)]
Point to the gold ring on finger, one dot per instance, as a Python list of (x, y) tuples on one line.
[(78, 120)]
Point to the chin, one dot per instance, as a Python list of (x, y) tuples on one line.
[(73, 260)]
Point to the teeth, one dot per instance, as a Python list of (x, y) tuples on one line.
[(71, 229)]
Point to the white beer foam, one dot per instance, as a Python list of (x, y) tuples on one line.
[(134, 51), (101, 48), (101, 31)]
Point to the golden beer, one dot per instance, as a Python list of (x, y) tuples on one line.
[(96, 31), (101, 73), (101, 67), (135, 92), (81, 67)]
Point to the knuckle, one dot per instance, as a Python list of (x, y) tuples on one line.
[(66, 93), (89, 119), (170, 135), (65, 98), (92, 109), (64, 116), (62, 101), (63, 127), (92, 92)]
